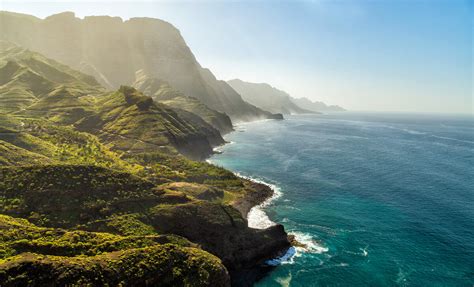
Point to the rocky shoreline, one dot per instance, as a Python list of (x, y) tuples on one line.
[(257, 194), (280, 240), (260, 193)]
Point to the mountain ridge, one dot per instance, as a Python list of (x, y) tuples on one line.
[(317, 106), (266, 97), (112, 50), (35, 86), (274, 100)]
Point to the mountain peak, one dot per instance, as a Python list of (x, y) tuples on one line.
[(112, 50), (62, 16)]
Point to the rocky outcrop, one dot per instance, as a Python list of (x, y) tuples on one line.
[(222, 231), (257, 194), (112, 50)]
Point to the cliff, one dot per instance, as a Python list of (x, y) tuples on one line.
[(102, 200), (112, 50)]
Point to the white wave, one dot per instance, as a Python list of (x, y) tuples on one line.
[(257, 218), (364, 251), (311, 245), (453, 139), (413, 132), (409, 131), (218, 149)]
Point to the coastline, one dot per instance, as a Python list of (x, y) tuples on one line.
[(252, 207), (260, 194)]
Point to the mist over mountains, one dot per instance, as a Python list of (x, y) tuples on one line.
[(274, 100), (112, 50)]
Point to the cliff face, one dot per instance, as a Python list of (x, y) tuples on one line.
[(267, 97), (134, 123), (112, 50), (161, 91)]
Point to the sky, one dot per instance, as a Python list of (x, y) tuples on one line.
[(377, 55)]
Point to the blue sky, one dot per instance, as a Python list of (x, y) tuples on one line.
[(380, 55)]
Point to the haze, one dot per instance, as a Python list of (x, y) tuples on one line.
[(412, 56)]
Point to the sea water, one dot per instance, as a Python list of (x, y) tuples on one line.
[(378, 199)]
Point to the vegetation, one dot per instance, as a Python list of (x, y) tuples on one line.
[(35, 256), (98, 188), (161, 91)]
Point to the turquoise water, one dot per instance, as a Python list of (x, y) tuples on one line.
[(379, 199)]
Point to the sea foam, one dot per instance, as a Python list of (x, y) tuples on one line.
[(257, 218), (311, 245)]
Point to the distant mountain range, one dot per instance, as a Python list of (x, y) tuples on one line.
[(317, 106), (113, 50), (266, 97), (274, 100)]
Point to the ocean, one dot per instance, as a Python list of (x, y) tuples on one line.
[(378, 199)]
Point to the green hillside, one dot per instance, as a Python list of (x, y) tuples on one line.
[(99, 187), (33, 86), (161, 91), (132, 122), (37, 256)]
